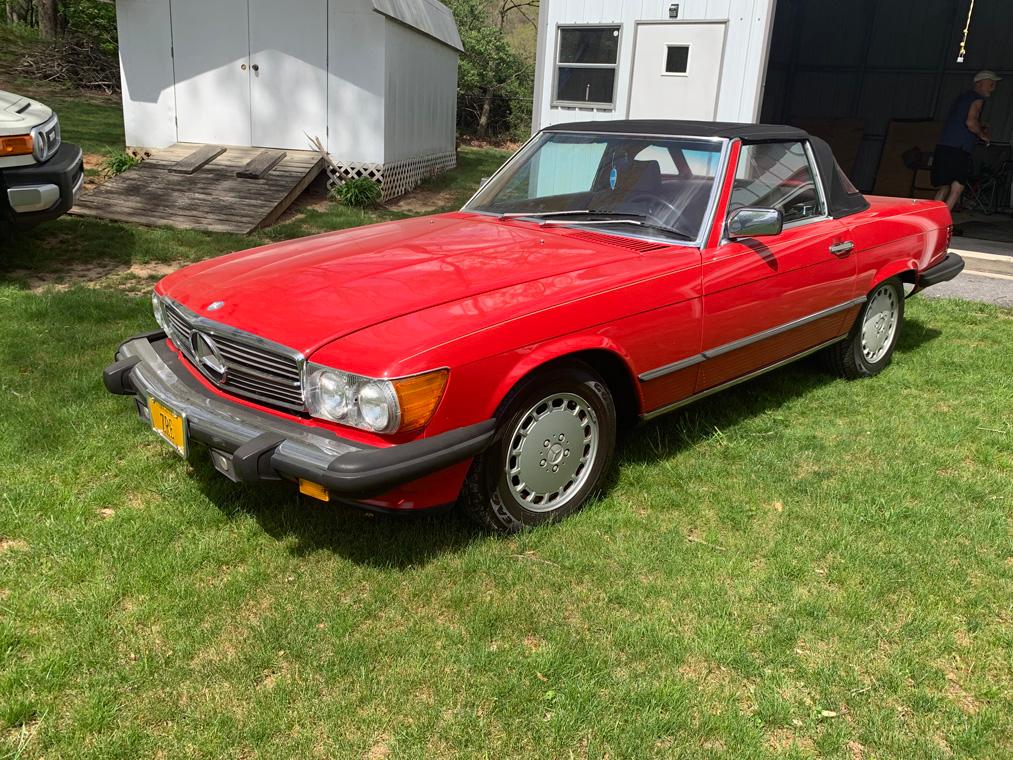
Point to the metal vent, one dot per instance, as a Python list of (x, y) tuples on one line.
[(632, 244), (254, 368)]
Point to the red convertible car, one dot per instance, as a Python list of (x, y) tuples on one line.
[(609, 272)]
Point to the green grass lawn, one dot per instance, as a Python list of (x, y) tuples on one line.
[(798, 567)]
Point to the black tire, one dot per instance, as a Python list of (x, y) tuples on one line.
[(493, 498), (849, 358)]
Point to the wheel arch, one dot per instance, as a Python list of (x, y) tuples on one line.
[(906, 270), (606, 359)]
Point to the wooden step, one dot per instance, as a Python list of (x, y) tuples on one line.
[(217, 198), (261, 164), (204, 155)]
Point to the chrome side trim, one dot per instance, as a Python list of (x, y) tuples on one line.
[(735, 345), (703, 394)]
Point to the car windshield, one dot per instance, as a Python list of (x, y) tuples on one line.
[(655, 186)]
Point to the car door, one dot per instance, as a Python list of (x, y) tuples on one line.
[(769, 298)]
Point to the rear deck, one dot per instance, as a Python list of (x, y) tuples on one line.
[(200, 187)]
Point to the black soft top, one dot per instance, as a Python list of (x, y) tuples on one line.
[(842, 197)]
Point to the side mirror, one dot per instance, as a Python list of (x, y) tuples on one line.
[(754, 222), (483, 182)]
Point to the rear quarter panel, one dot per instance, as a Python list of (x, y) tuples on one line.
[(897, 235)]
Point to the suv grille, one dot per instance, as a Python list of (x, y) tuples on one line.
[(255, 368)]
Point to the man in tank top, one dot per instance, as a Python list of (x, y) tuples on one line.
[(951, 163)]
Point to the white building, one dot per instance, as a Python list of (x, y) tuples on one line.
[(873, 77), (374, 80), (631, 59)]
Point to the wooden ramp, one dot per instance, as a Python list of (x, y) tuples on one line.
[(205, 187)]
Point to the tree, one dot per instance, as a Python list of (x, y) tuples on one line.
[(490, 69), (51, 22)]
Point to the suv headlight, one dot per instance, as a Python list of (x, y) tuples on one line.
[(376, 405)]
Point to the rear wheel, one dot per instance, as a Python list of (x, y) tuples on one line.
[(551, 454), (870, 345)]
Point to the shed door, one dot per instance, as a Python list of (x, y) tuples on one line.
[(211, 45), (288, 85), (676, 70), (250, 72)]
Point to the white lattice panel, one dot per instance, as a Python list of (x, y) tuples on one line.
[(397, 178)]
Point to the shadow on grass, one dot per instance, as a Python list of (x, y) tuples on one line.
[(697, 422), (914, 334), (411, 540), (378, 540)]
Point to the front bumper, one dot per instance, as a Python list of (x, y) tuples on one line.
[(40, 192), (944, 271), (249, 445)]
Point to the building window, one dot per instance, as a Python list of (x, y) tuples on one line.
[(586, 63), (677, 59)]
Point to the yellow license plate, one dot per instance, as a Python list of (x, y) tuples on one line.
[(169, 424)]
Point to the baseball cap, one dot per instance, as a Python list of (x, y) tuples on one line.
[(986, 74)]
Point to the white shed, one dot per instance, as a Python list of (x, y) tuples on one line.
[(630, 59), (374, 80)]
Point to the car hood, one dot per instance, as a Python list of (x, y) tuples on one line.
[(306, 293)]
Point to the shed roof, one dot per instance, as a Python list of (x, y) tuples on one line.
[(431, 18)]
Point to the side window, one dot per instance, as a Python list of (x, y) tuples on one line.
[(777, 175)]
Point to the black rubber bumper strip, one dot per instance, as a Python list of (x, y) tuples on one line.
[(944, 271), (374, 471), (116, 376)]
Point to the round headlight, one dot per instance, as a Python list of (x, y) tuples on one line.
[(41, 145), (376, 407), (335, 394)]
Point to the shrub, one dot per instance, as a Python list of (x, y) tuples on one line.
[(118, 161), (360, 192)]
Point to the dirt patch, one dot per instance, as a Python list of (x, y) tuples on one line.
[(956, 692), (380, 749), (313, 198), (12, 545), (424, 201), (783, 739), (135, 279), (105, 513)]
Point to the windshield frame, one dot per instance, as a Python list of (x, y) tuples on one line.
[(706, 225)]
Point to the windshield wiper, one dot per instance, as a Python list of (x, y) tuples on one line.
[(520, 214), (638, 221)]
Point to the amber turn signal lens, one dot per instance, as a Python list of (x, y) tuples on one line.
[(314, 490), (18, 145), (419, 396)]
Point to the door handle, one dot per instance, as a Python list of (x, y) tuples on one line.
[(842, 249), (255, 67), (243, 67)]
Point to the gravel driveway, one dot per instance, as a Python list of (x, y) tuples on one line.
[(975, 287)]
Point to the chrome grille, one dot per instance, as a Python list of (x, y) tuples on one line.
[(256, 369)]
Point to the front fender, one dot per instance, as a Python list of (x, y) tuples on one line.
[(584, 347)]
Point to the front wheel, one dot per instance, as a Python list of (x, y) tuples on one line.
[(870, 345), (551, 454)]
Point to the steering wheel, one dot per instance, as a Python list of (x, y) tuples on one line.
[(654, 201)]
